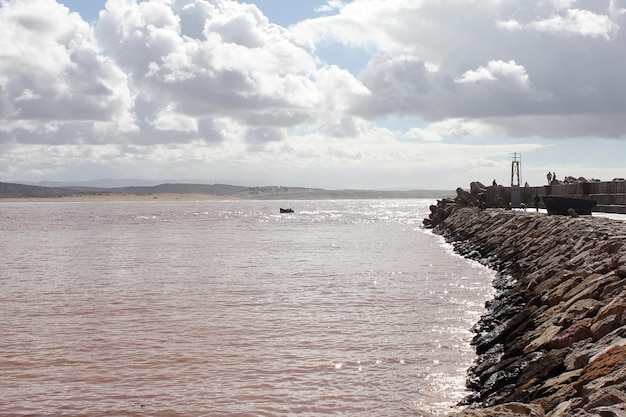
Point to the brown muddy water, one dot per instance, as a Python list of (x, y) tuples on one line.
[(343, 308)]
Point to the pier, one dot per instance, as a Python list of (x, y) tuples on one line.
[(610, 196)]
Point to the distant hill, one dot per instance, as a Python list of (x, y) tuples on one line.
[(101, 183), (271, 193), (11, 190)]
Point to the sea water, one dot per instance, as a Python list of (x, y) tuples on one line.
[(229, 308)]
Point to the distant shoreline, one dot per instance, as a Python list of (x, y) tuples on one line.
[(202, 192), (112, 197)]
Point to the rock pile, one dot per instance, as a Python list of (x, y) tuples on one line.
[(553, 342), (579, 180), (446, 206)]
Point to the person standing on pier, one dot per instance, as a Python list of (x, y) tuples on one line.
[(537, 202)]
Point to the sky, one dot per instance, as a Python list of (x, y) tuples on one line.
[(361, 94)]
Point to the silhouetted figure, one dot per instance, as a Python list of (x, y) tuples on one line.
[(549, 177), (494, 183), (537, 202)]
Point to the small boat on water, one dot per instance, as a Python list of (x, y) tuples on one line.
[(562, 205), (287, 210)]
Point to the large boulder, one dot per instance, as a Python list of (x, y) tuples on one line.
[(477, 188), (465, 198), (505, 410)]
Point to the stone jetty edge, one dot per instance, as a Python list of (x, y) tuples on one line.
[(553, 340)]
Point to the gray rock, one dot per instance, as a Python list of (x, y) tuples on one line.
[(554, 335)]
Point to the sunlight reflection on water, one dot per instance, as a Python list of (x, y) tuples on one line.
[(209, 308)]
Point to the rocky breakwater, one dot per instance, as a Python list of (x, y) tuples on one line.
[(473, 198), (553, 341)]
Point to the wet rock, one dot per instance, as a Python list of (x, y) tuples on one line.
[(553, 339), (506, 410)]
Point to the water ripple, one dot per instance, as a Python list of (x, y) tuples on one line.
[(196, 309)]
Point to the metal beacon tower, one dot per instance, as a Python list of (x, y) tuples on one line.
[(516, 179)]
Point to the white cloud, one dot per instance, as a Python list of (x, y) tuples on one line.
[(423, 135), (474, 76), (510, 24), (560, 4), (461, 128), (239, 65), (52, 72), (330, 6), (578, 22), (497, 70), (27, 95), (497, 60), (203, 60), (170, 120), (216, 83), (562, 20)]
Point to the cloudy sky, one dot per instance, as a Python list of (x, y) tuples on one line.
[(383, 94)]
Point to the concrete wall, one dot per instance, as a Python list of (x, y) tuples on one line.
[(610, 196)]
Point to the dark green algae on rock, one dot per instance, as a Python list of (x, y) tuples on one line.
[(553, 340)]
